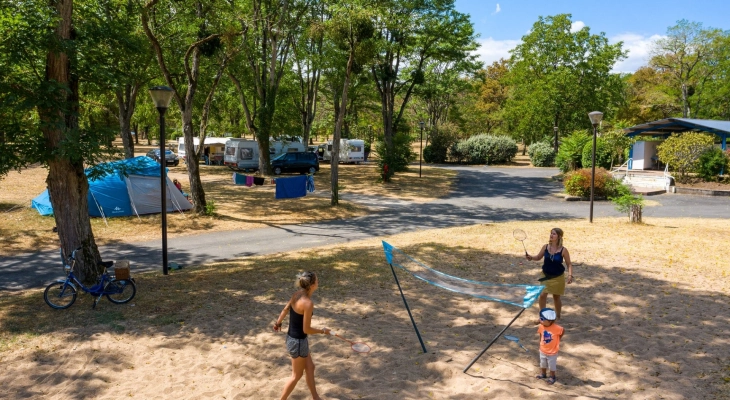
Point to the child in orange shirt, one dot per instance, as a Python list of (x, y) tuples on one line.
[(550, 335)]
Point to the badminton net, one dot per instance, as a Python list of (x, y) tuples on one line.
[(519, 295)]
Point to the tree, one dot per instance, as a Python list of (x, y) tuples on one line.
[(411, 33), (267, 30), (493, 94), (116, 60), (42, 118), (307, 55), (684, 54), (191, 31), (351, 31), (558, 75), (646, 97), (682, 151)]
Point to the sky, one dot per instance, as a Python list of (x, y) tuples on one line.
[(637, 23)]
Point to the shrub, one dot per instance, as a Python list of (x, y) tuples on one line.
[(440, 140), (210, 207), (578, 183), (486, 149), (541, 154), (401, 154), (603, 154), (712, 163), (626, 202), (570, 153), (682, 151)]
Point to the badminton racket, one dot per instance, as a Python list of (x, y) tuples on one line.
[(514, 339), (358, 347), (520, 235)]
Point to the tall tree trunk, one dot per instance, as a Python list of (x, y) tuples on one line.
[(335, 159), (126, 102), (67, 184)]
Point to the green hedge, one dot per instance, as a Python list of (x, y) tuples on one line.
[(484, 149), (603, 154), (541, 154)]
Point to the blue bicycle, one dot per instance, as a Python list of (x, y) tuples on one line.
[(62, 293)]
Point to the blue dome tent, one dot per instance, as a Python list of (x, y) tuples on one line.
[(127, 187)]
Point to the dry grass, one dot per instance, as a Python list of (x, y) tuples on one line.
[(669, 299), (238, 207)]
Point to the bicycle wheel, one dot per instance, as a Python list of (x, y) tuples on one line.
[(59, 295), (121, 291)]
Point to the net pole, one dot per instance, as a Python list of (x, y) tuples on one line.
[(408, 309), (493, 340)]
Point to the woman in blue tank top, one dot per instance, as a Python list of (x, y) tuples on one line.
[(300, 309), (553, 271)]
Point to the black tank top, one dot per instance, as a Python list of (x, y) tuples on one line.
[(296, 325), (553, 264)]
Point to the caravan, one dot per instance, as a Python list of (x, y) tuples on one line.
[(279, 147), (214, 148), (351, 151), (241, 154)]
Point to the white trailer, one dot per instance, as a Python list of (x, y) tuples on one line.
[(215, 148), (278, 147), (351, 151), (242, 154)]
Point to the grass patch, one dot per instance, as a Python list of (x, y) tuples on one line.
[(236, 207)]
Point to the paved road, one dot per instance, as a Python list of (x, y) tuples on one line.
[(481, 195)]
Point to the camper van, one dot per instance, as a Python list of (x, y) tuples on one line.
[(214, 148), (242, 154), (278, 147), (351, 151)]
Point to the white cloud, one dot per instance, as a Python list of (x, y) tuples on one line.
[(577, 25), (638, 47), (492, 50), (497, 10)]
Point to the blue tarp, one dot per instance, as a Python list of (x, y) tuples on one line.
[(290, 188)]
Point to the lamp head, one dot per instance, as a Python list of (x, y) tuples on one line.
[(596, 117), (421, 124), (161, 96)]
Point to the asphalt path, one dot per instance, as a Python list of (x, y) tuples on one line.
[(479, 195)]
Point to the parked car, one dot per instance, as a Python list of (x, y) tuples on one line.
[(302, 162), (170, 157)]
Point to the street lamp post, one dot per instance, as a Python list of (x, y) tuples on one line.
[(161, 96), (596, 117), (420, 156), (555, 129)]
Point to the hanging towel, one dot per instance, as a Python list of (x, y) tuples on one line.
[(291, 188), (258, 181), (239, 179), (249, 180), (310, 183)]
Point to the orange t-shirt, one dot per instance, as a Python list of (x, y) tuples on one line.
[(550, 338)]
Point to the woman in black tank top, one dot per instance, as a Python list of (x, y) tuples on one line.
[(300, 309), (553, 254)]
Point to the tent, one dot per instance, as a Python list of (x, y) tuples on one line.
[(125, 187)]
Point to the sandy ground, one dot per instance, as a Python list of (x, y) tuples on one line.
[(648, 318)]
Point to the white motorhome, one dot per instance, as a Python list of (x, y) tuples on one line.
[(278, 147), (215, 148), (351, 151), (242, 154)]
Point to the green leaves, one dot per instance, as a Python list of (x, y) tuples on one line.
[(682, 151)]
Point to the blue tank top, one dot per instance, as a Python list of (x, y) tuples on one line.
[(553, 264)]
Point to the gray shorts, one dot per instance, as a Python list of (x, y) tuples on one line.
[(297, 347), (547, 361)]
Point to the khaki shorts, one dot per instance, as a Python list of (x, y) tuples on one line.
[(555, 285)]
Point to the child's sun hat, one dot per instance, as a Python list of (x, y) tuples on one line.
[(548, 314)]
